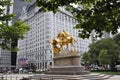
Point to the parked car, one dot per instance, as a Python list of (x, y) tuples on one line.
[(25, 71), (117, 67), (39, 70)]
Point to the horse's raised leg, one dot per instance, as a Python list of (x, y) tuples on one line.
[(73, 47), (61, 47), (67, 46)]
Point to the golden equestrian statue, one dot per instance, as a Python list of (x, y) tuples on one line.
[(66, 39), (63, 39)]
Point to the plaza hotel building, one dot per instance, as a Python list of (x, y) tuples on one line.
[(5, 59), (44, 27)]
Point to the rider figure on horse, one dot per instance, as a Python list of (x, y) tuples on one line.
[(63, 38)]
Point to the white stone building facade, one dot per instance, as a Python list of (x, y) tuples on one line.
[(46, 26), (5, 59)]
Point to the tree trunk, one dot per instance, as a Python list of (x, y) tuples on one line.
[(112, 66)]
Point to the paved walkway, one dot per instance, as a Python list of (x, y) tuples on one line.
[(92, 76), (105, 77), (114, 77)]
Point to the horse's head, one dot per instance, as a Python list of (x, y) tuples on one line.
[(60, 35), (66, 33)]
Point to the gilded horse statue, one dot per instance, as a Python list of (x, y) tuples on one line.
[(66, 39), (63, 39)]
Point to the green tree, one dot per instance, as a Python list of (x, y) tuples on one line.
[(86, 58), (94, 52), (3, 15), (9, 34), (104, 58), (99, 15), (32, 66), (117, 38), (105, 44), (119, 57), (12, 33)]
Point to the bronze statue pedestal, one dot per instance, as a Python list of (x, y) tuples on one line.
[(67, 65)]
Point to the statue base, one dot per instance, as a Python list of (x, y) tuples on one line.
[(67, 65)]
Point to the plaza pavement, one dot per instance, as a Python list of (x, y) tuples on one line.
[(114, 77), (92, 76)]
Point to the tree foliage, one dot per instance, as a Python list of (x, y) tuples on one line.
[(117, 38), (104, 57), (99, 15), (3, 15), (10, 33), (3, 18), (112, 51), (86, 58), (32, 66)]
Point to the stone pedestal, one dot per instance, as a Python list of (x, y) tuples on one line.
[(68, 60), (67, 65)]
